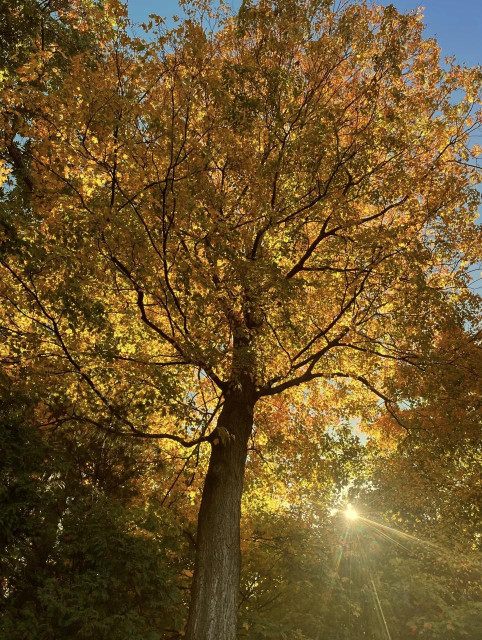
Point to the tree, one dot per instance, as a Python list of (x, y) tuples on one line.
[(88, 546), (281, 203), (409, 565), (306, 577)]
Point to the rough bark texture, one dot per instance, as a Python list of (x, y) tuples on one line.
[(215, 589)]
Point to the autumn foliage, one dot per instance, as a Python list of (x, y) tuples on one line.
[(222, 239)]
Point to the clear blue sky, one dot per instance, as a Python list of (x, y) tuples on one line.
[(457, 24)]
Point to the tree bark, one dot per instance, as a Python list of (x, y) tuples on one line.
[(215, 588)]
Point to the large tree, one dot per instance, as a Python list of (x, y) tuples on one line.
[(276, 202)]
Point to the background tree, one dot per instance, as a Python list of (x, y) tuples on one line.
[(88, 545), (409, 565), (225, 214)]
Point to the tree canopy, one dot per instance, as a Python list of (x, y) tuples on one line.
[(234, 234)]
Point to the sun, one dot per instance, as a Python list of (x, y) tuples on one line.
[(350, 512)]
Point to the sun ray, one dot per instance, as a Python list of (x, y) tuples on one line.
[(380, 609), (440, 550), (341, 549), (404, 535), (373, 589), (385, 535)]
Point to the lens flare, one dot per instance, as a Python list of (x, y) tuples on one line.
[(351, 512)]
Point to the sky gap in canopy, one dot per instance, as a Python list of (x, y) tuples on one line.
[(457, 25)]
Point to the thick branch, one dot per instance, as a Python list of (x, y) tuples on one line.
[(308, 376), (300, 265), (148, 322)]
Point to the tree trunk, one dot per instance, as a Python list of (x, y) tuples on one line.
[(215, 589)]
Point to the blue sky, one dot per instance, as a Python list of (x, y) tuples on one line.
[(457, 24)]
